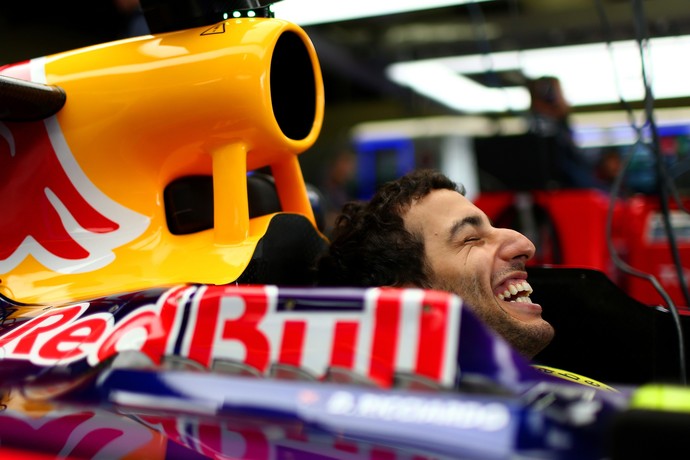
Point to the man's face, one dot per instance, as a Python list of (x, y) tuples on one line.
[(482, 264)]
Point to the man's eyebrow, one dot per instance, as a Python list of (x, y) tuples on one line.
[(458, 225)]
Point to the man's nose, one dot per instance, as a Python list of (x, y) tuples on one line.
[(515, 245)]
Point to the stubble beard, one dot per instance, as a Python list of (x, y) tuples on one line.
[(528, 339)]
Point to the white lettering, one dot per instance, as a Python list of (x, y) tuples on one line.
[(411, 409)]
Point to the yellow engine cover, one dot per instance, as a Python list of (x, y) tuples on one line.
[(82, 191)]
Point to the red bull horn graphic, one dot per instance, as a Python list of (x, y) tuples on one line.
[(86, 189), (79, 225)]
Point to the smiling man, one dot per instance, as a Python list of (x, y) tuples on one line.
[(421, 231)]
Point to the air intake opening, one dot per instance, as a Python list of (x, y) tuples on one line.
[(293, 87), (189, 201)]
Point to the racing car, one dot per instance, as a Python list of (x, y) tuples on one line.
[(155, 292)]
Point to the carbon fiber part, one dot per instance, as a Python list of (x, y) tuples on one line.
[(22, 100)]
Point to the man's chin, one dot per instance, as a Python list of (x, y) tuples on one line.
[(536, 337), (527, 338)]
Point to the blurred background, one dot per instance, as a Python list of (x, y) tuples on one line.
[(446, 84)]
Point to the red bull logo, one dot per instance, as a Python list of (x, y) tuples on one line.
[(386, 331), (52, 211)]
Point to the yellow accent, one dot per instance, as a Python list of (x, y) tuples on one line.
[(661, 397), (288, 177), (144, 111), (231, 208), (573, 377)]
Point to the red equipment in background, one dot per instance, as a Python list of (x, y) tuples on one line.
[(649, 249), (569, 229)]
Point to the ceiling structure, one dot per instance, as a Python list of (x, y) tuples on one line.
[(357, 57), (356, 54)]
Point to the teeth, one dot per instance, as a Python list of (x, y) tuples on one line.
[(522, 299), (526, 287), (522, 287)]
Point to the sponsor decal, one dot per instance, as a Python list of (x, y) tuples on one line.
[(79, 226), (388, 331), (490, 416)]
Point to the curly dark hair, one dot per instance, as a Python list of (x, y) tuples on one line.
[(370, 245)]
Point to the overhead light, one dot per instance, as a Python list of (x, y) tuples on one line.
[(591, 129), (589, 74), (439, 81), (424, 33), (307, 12), (439, 126)]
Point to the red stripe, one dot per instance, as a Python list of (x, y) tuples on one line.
[(385, 342), (206, 324), (382, 453), (432, 334), (344, 340), (345, 445), (293, 343)]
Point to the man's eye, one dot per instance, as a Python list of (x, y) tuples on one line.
[(470, 239)]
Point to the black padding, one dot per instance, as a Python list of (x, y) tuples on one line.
[(649, 434), (189, 201), (262, 195), (603, 333), (189, 204), (286, 254)]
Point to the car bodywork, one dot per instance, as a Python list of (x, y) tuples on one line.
[(159, 111), (323, 370)]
